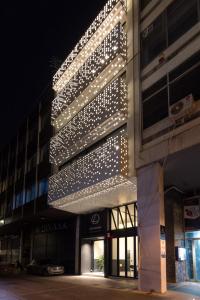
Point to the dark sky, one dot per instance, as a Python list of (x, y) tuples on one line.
[(34, 34)]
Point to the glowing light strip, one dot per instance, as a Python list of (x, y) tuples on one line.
[(107, 110), (113, 12), (86, 200), (98, 165), (114, 46)]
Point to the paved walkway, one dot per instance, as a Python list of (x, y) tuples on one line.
[(85, 288)]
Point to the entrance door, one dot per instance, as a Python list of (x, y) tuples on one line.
[(98, 257), (92, 257), (193, 259), (125, 256)]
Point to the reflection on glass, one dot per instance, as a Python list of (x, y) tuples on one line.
[(122, 217), (114, 257), (99, 256), (131, 213), (189, 259), (130, 257), (197, 258), (114, 222), (136, 254), (122, 257)]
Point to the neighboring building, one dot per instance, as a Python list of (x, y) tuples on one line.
[(27, 225), (167, 126)]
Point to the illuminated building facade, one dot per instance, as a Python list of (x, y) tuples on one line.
[(93, 146)]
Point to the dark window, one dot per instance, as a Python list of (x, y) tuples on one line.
[(144, 3), (189, 63), (185, 85), (154, 88), (30, 193), (181, 16), (155, 108), (18, 200), (43, 187), (153, 40)]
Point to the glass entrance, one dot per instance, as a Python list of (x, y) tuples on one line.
[(125, 256), (193, 257), (98, 257)]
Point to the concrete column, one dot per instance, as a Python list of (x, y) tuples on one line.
[(152, 266)]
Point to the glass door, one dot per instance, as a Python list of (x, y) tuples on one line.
[(98, 256), (124, 256), (193, 259), (196, 259)]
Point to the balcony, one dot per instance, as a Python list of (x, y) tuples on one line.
[(107, 112), (113, 12), (105, 62), (97, 179)]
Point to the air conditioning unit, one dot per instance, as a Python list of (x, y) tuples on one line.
[(181, 108)]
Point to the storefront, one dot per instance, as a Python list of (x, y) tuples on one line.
[(109, 242)]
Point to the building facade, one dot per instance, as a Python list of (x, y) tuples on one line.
[(94, 172), (123, 191), (157, 119), (167, 149), (29, 229)]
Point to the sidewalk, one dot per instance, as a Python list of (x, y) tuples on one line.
[(26, 287)]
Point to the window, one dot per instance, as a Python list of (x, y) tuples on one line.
[(18, 200), (185, 85), (153, 40), (176, 20), (32, 163), (179, 83), (43, 187), (155, 109), (124, 217), (181, 16), (30, 193)]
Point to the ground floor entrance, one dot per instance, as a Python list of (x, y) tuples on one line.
[(124, 256), (193, 255), (92, 257)]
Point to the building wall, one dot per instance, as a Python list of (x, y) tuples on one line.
[(157, 134)]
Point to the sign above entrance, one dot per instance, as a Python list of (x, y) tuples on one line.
[(94, 224), (192, 214)]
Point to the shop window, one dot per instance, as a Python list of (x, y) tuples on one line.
[(43, 187), (153, 40), (181, 16)]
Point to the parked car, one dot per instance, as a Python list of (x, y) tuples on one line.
[(45, 267)]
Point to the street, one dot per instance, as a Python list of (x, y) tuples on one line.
[(82, 288)]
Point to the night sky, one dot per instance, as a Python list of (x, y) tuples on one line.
[(36, 36)]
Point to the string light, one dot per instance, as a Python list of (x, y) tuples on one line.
[(107, 110), (86, 77), (103, 163), (113, 12)]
